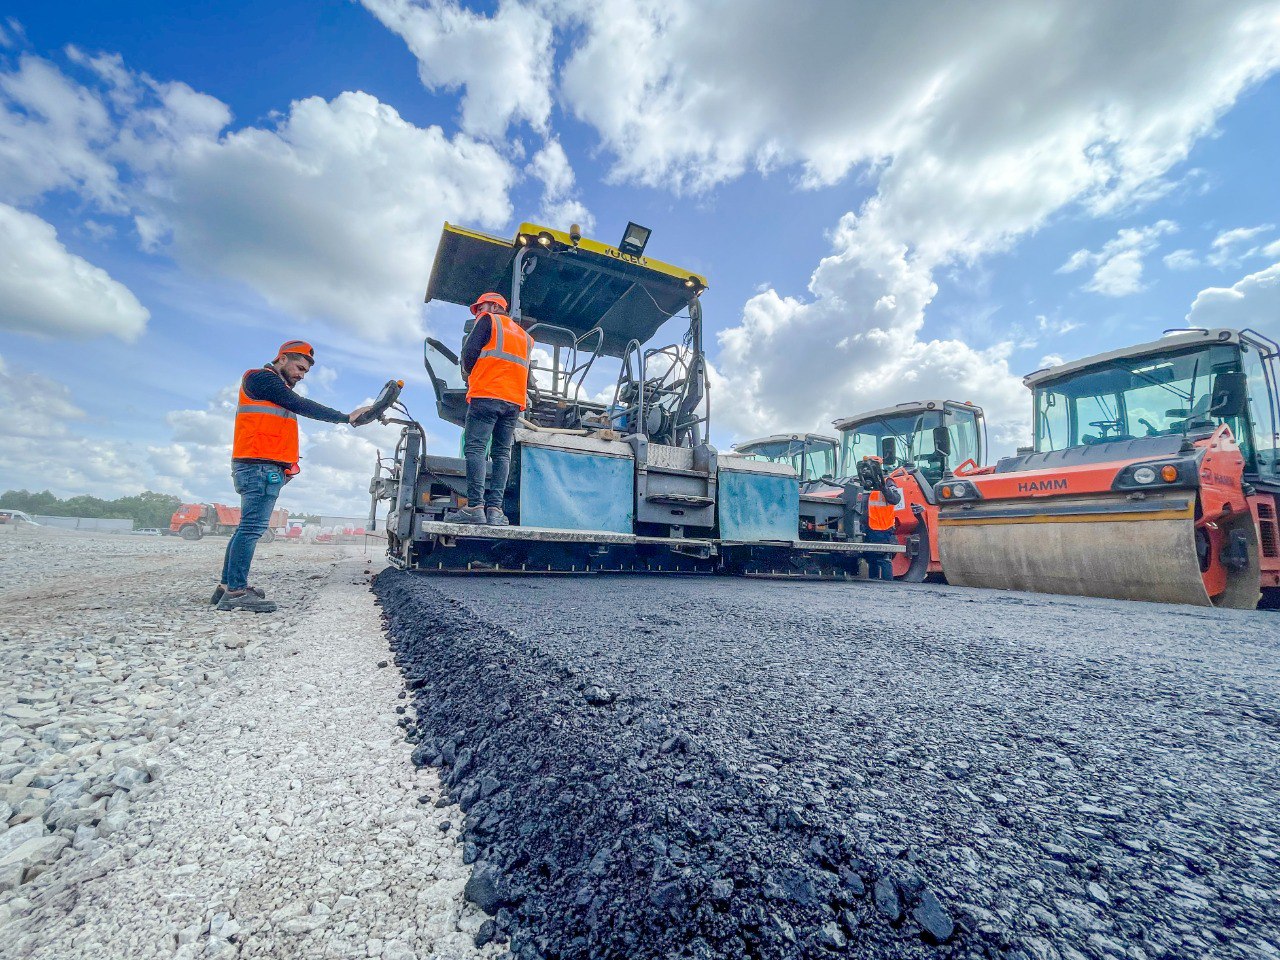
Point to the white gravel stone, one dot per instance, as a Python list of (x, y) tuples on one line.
[(242, 781)]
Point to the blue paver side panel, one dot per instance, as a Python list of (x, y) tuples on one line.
[(566, 490), (758, 506)]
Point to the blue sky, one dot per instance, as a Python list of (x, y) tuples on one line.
[(888, 203)]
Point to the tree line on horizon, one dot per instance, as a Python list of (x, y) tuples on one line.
[(146, 509)]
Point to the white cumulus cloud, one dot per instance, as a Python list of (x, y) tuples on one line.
[(1253, 301), (501, 63), (560, 208), (1183, 259), (856, 345), (334, 213), (1117, 267), (45, 450), (974, 124), (46, 290), (331, 212), (1229, 248), (54, 134)]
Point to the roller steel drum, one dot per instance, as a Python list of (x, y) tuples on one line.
[(1101, 546)]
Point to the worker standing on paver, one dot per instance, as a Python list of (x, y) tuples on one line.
[(495, 362), (264, 457)]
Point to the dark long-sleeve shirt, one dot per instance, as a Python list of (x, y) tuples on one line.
[(268, 385), (475, 342)]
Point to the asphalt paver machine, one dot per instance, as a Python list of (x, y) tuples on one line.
[(612, 467), (1153, 476)]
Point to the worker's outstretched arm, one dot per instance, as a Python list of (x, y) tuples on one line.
[(266, 385)]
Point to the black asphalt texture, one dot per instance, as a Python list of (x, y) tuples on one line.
[(717, 767)]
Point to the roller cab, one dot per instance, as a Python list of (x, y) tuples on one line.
[(1152, 476), (920, 443)]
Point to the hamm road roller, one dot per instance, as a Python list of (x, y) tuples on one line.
[(1153, 476)]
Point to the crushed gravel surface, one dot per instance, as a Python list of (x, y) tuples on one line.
[(181, 783), (724, 768)]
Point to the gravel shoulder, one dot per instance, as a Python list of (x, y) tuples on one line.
[(175, 782)]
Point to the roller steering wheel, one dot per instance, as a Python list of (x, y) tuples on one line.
[(389, 395), (1105, 425)]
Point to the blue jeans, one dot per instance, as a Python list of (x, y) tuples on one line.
[(880, 565), (258, 486), (488, 418)]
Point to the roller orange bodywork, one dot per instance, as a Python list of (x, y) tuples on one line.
[(916, 516)]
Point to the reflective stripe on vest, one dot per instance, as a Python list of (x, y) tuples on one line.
[(264, 430), (268, 411), (499, 339), (879, 513), (501, 372)]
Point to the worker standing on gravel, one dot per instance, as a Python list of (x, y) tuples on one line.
[(495, 362), (264, 457), (876, 507)]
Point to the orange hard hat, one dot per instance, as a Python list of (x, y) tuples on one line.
[(496, 299), (297, 346)]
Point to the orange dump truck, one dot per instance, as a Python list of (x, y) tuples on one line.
[(191, 521)]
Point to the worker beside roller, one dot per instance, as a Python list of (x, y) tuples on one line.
[(495, 363), (264, 457), (875, 506)]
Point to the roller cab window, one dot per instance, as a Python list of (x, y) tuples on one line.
[(917, 439), (1262, 412), (1189, 393), (811, 459)]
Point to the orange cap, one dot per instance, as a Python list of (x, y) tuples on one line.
[(299, 347), (496, 299)]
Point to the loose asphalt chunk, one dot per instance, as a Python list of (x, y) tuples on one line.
[(727, 768)]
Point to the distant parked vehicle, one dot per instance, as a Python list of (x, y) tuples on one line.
[(17, 516), (191, 521)]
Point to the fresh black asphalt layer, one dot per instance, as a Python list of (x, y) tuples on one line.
[(713, 767)]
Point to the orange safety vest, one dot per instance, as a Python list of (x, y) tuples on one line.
[(502, 370), (879, 513), (264, 430)]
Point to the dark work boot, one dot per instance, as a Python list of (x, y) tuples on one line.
[(246, 600), (495, 517), (466, 515), (219, 590)]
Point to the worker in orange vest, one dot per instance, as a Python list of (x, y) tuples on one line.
[(495, 361), (876, 507), (264, 457)]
